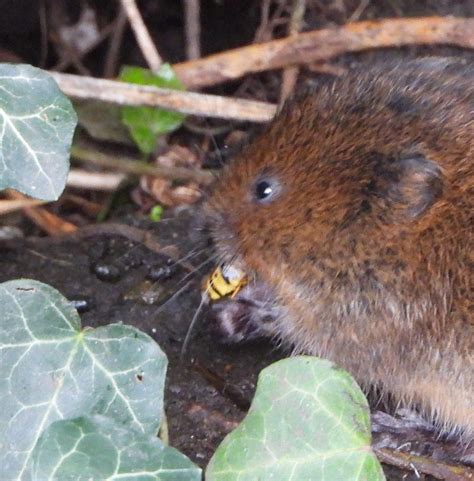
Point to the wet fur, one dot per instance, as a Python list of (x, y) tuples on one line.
[(368, 247)]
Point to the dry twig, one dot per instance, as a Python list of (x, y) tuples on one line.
[(122, 93), (142, 35), (69, 55), (9, 206), (136, 167), (272, 14), (103, 181), (65, 62), (45, 220), (290, 74), (424, 465), (89, 207), (324, 44), (141, 236), (115, 43), (359, 10), (193, 28)]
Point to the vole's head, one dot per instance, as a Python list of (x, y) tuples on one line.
[(343, 173)]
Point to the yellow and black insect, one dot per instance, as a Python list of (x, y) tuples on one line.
[(225, 280)]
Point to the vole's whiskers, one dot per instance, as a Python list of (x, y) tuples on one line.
[(187, 338), (180, 290), (197, 269), (192, 253)]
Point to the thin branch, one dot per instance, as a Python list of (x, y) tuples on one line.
[(103, 181), (89, 207), (45, 220), (9, 206), (64, 63), (145, 237), (290, 74), (359, 10), (69, 55), (272, 15), (324, 44), (190, 103), (142, 35), (192, 22), (115, 42), (424, 465), (136, 167)]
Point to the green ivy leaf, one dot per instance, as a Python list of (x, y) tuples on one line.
[(308, 421), (51, 370), (37, 123), (97, 448), (147, 123)]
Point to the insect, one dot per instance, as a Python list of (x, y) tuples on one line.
[(225, 280)]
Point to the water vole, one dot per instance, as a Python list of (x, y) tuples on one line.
[(355, 207)]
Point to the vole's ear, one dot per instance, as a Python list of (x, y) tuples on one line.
[(413, 184)]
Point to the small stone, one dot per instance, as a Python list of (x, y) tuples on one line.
[(106, 272)]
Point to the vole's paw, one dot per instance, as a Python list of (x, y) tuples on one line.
[(251, 314)]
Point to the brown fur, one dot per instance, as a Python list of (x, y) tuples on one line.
[(368, 247)]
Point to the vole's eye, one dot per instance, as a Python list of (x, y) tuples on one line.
[(266, 190)]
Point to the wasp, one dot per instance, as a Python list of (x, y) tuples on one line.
[(225, 280)]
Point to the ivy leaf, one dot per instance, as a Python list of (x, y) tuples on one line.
[(51, 370), (308, 421), (37, 123), (96, 448), (147, 123)]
